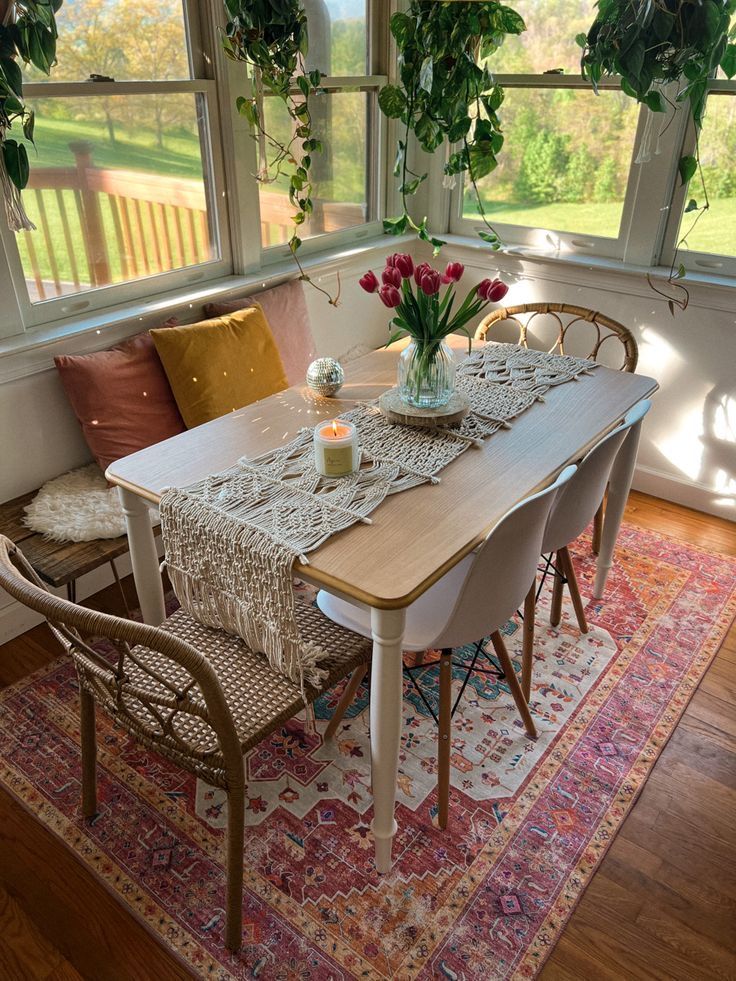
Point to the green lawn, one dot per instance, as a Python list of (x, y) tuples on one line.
[(715, 231)]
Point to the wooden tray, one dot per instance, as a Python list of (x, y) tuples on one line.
[(397, 411)]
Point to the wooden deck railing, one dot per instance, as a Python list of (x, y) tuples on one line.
[(100, 226)]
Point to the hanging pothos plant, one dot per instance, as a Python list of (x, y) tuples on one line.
[(28, 35), (650, 44), (270, 38), (446, 94)]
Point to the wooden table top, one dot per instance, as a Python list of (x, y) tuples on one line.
[(417, 535)]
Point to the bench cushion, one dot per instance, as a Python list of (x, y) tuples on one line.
[(219, 365), (285, 308), (121, 397)]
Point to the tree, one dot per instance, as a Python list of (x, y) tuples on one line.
[(606, 182), (542, 168)]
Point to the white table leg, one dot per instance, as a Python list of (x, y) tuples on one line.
[(387, 628), (619, 485), (143, 557)]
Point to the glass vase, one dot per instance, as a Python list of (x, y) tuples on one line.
[(426, 374)]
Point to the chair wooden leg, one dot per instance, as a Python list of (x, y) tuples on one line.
[(530, 605), (444, 733), (346, 700), (572, 584), (503, 656), (234, 901), (89, 753), (597, 530), (419, 658), (555, 613)]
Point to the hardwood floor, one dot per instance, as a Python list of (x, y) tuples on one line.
[(662, 905)]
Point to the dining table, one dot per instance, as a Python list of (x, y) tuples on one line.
[(416, 536)]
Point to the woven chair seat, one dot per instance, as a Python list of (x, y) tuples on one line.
[(259, 698)]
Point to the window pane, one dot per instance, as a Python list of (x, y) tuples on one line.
[(125, 39), (556, 173), (337, 36), (117, 192), (715, 230), (549, 40), (341, 122)]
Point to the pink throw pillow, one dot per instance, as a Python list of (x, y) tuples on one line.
[(121, 397), (286, 312)]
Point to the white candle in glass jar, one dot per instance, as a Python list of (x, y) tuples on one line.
[(336, 451)]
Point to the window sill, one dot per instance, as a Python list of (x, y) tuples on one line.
[(34, 350), (707, 290)]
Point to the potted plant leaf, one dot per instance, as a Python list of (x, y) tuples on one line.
[(27, 34), (651, 44), (446, 96)]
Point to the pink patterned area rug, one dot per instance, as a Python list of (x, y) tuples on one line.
[(529, 821)]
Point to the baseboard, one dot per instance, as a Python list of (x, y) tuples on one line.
[(15, 618), (680, 490)]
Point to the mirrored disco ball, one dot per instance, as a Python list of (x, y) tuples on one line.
[(325, 376)]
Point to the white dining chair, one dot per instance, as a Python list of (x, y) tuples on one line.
[(474, 600), (571, 513)]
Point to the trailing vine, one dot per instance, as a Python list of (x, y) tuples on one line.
[(270, 38), (446, 94), (650, 44), (27, 34)]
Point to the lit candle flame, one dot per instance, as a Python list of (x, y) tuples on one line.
[(334, 427)]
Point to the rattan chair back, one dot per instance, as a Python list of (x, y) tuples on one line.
[(159, 688), (569, 322)]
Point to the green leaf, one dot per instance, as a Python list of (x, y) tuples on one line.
[(426, 74), (687, 168), (728, 61), (402, 28), (692, 205), (29, 124), (16, 162), (11, 70), (654, 101), (392, 101), (581, 40), (395, 226)]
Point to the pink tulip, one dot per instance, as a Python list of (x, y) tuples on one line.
[(483, 287), (390, 296), (420, 270), (369, 282), (391, 276), (391, 260), (430, 283), (497, 291), (453, 272), (404, 264)]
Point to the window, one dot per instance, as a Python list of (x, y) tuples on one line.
[(559, 185), (708, 240), (346, 119), (123, 185)]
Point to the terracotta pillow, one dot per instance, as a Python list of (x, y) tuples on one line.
[(286, 312), (121, 397), (220, 365)]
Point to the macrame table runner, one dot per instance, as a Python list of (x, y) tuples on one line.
[(232, 538)]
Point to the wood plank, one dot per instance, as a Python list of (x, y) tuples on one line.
[(12, 515), (24, 952), (432, 527), (60, 562)]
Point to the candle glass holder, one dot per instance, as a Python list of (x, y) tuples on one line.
[(336, 450)]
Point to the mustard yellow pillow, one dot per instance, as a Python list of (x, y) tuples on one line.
[(220, 365)]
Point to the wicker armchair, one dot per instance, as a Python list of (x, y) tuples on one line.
[(571, 321), (195, 695)]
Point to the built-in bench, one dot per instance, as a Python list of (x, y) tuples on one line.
[(60, 564)]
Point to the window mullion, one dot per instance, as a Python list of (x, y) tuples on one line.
[(651, 184)]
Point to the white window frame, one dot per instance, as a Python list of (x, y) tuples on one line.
[(45, 312), (552, 240), (376, 174), (693, 260)]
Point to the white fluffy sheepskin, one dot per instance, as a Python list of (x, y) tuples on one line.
[(79, 506)]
